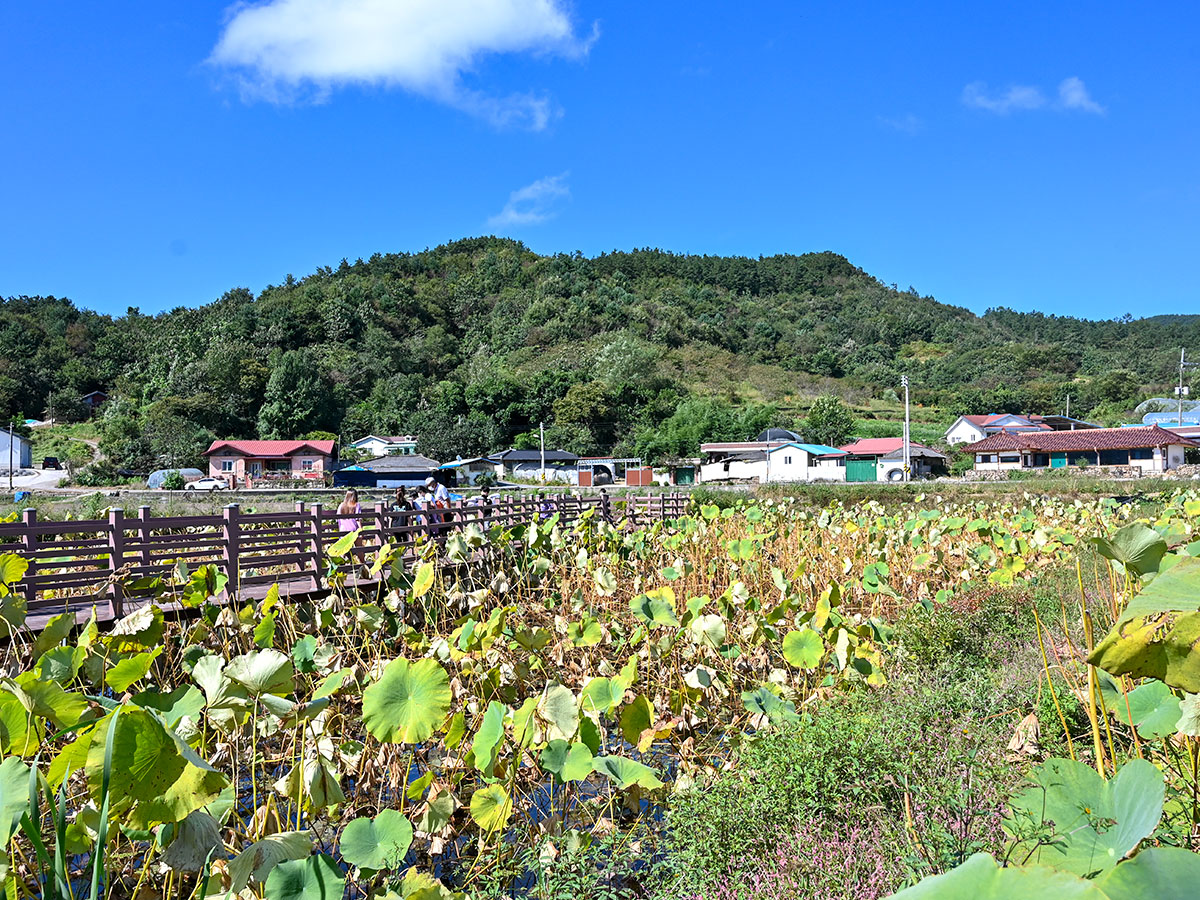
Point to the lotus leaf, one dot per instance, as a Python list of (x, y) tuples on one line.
[(1097, 822), (491, 807), (14, 796), (408, 702), (1155, 872), (61, 664), (559, 709), (979, 878), (131, 669), (197, 836), (655, 611), (765, 702), (254, 864), (708, 630), (1137, 547), (586, 633), (314, 779), (55, 631), (13, 611), (803, 648), (636, 719), (423, 580), (264, 671), (379, 843), (314, 878), (568, 761), (625, 773), (601, 695), (488, 738), (606, 585), (184, 701)]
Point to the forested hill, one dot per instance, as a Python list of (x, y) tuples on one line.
[(471, 344)]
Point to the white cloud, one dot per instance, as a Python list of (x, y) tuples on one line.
[(290, 50), (533, 204), (1073, 94), (906, 124), (1017, 97)]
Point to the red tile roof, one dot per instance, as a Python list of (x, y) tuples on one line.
[(273, 449), (1084, 439)]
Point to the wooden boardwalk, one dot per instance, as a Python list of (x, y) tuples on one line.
[(110, 564)]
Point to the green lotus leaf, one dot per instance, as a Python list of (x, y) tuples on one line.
[(601, 695), (567, 761), (765, 702), (184, 701), (379, 843), (586, 633), (408, 702), (1137, 547), (1156, 872), (487, 739), (803, 649), (13, 612), (314, 878), (343, 545), (979, 878), (14, 796), (61, 664), (708, 630), (655, 610), (254, 864), (636, 718), (131, 669), (1151, 707), (625, 773), (606, 585), (56, 630), (491, 807), (263, 671), (1096, 822)]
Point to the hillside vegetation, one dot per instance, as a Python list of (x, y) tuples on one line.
[(472, 344)]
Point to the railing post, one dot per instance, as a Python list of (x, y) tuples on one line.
[(229, 548), (144, 557), (380, 523), (605, 508), (116, 558), (29, 543), (662, 507), (316, 546), (300, 541)]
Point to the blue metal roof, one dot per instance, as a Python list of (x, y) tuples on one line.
[(814, 449)]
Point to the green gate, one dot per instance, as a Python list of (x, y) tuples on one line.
[(860, 470)]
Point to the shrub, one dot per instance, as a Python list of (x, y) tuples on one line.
[(174, 481)]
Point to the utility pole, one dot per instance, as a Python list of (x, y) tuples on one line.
[(10, 455), (1182, 391), (542, 435), (907, 444)]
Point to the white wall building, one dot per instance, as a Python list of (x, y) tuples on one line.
[(19, 451), (376, 445), (781, 463)]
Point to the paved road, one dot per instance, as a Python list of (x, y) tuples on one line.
[(41, 480)]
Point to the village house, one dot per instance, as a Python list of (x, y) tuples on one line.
[(968, 429), (93, 401), (390, 471), (560, 465), (375, 445), (1146, 449), (882, 459), (467, 471), (777, 456), (241, 462), (16, 449)]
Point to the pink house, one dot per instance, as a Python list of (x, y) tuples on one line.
[(241, 461)]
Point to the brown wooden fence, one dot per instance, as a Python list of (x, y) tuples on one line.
[(74, 565)]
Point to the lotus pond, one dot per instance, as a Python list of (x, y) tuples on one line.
[(995, 698)]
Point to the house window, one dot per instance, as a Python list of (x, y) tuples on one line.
[(1141, 453), (278, 465), (787, 460), (1011, 458), (1038, 460), (227, 465), (985, 458), (1114, 457), (306, 465)]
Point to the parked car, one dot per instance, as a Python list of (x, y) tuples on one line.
[(51, 462), (206, 484)]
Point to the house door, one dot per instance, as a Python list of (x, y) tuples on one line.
[(254, 469), (685, 475), (860, 470), (1058, 460)]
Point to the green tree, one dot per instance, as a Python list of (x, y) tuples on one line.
[(829, 421), (298, 398)]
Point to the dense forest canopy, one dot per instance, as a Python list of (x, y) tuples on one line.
[(470, 345)]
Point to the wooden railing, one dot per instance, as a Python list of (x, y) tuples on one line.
[(79, 563)]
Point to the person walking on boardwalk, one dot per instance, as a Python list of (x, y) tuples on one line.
[(350, 512)]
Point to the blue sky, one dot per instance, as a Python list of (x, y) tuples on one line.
[(1029, 155)]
